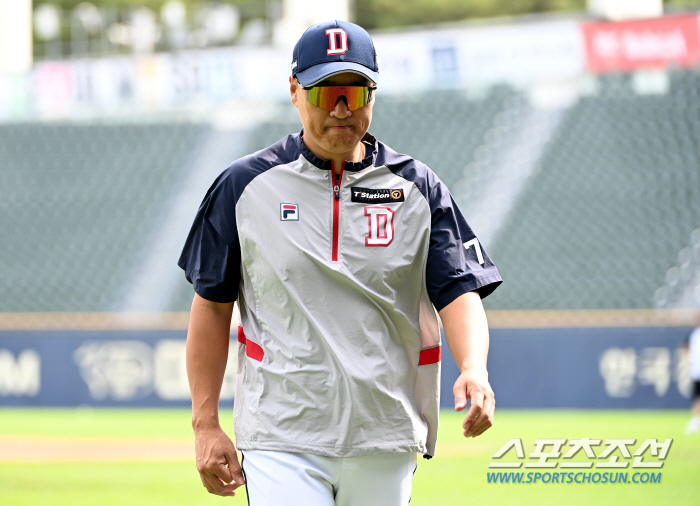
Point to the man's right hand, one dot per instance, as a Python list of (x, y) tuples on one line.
[(206, 356), (217, 461)]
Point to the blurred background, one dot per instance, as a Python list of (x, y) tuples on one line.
[(567, 130)]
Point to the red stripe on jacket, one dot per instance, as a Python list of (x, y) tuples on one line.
[(253, 350), (430, 355)]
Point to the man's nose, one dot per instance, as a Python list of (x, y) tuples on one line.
[(341, 109)]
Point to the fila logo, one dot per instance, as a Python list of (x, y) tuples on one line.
[(289, 212), (381, 226), (336, 35)]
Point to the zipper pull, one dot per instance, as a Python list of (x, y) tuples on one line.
[(336, 188)]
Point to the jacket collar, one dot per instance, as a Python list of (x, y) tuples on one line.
[(370, 154)]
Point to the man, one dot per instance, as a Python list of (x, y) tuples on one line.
[(693, 349), (337, 249)]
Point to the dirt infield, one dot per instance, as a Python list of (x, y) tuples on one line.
[(54, 449), (25, 449)]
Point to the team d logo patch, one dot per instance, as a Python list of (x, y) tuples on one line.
[(289, 212), (381, 226)]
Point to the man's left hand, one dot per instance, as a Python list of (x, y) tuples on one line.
[(473, 384)]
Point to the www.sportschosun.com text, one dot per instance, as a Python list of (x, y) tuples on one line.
[(577, 478)]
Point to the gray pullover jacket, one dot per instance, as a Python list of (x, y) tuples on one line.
[(336, 281)]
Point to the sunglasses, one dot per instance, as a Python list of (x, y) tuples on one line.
[(326, 97)]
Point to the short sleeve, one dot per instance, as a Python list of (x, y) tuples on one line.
[(211, 256), (457, 263)]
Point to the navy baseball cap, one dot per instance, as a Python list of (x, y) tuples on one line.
[(331, 48)]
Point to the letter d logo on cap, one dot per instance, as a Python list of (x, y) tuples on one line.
[(335, 35)]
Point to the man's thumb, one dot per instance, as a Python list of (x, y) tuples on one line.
[(460, 401), (236, 471)]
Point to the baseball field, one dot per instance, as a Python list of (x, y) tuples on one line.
[(122, 457)]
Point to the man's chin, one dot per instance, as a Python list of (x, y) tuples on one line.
[(342, 140)]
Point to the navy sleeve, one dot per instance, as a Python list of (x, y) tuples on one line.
[(457, 263), (211, 257)]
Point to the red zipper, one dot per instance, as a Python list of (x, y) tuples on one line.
[(336, 207)]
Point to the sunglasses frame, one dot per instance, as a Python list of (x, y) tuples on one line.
[(370, 95)]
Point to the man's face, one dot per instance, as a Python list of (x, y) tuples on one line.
[(332, 133)]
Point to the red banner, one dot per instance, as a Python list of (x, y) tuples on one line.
[(649, 43)]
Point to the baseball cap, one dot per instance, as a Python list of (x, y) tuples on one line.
[(331, 48)]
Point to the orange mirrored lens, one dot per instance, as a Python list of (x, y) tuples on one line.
[(326, 97)]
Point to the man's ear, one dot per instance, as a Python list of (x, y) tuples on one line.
[(293, 87)]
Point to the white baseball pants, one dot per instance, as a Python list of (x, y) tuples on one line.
[(302, 479)]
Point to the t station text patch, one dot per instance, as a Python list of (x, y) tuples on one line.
[(376, 195)]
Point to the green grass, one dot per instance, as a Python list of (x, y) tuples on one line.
[(107, 423), (455, 477)]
